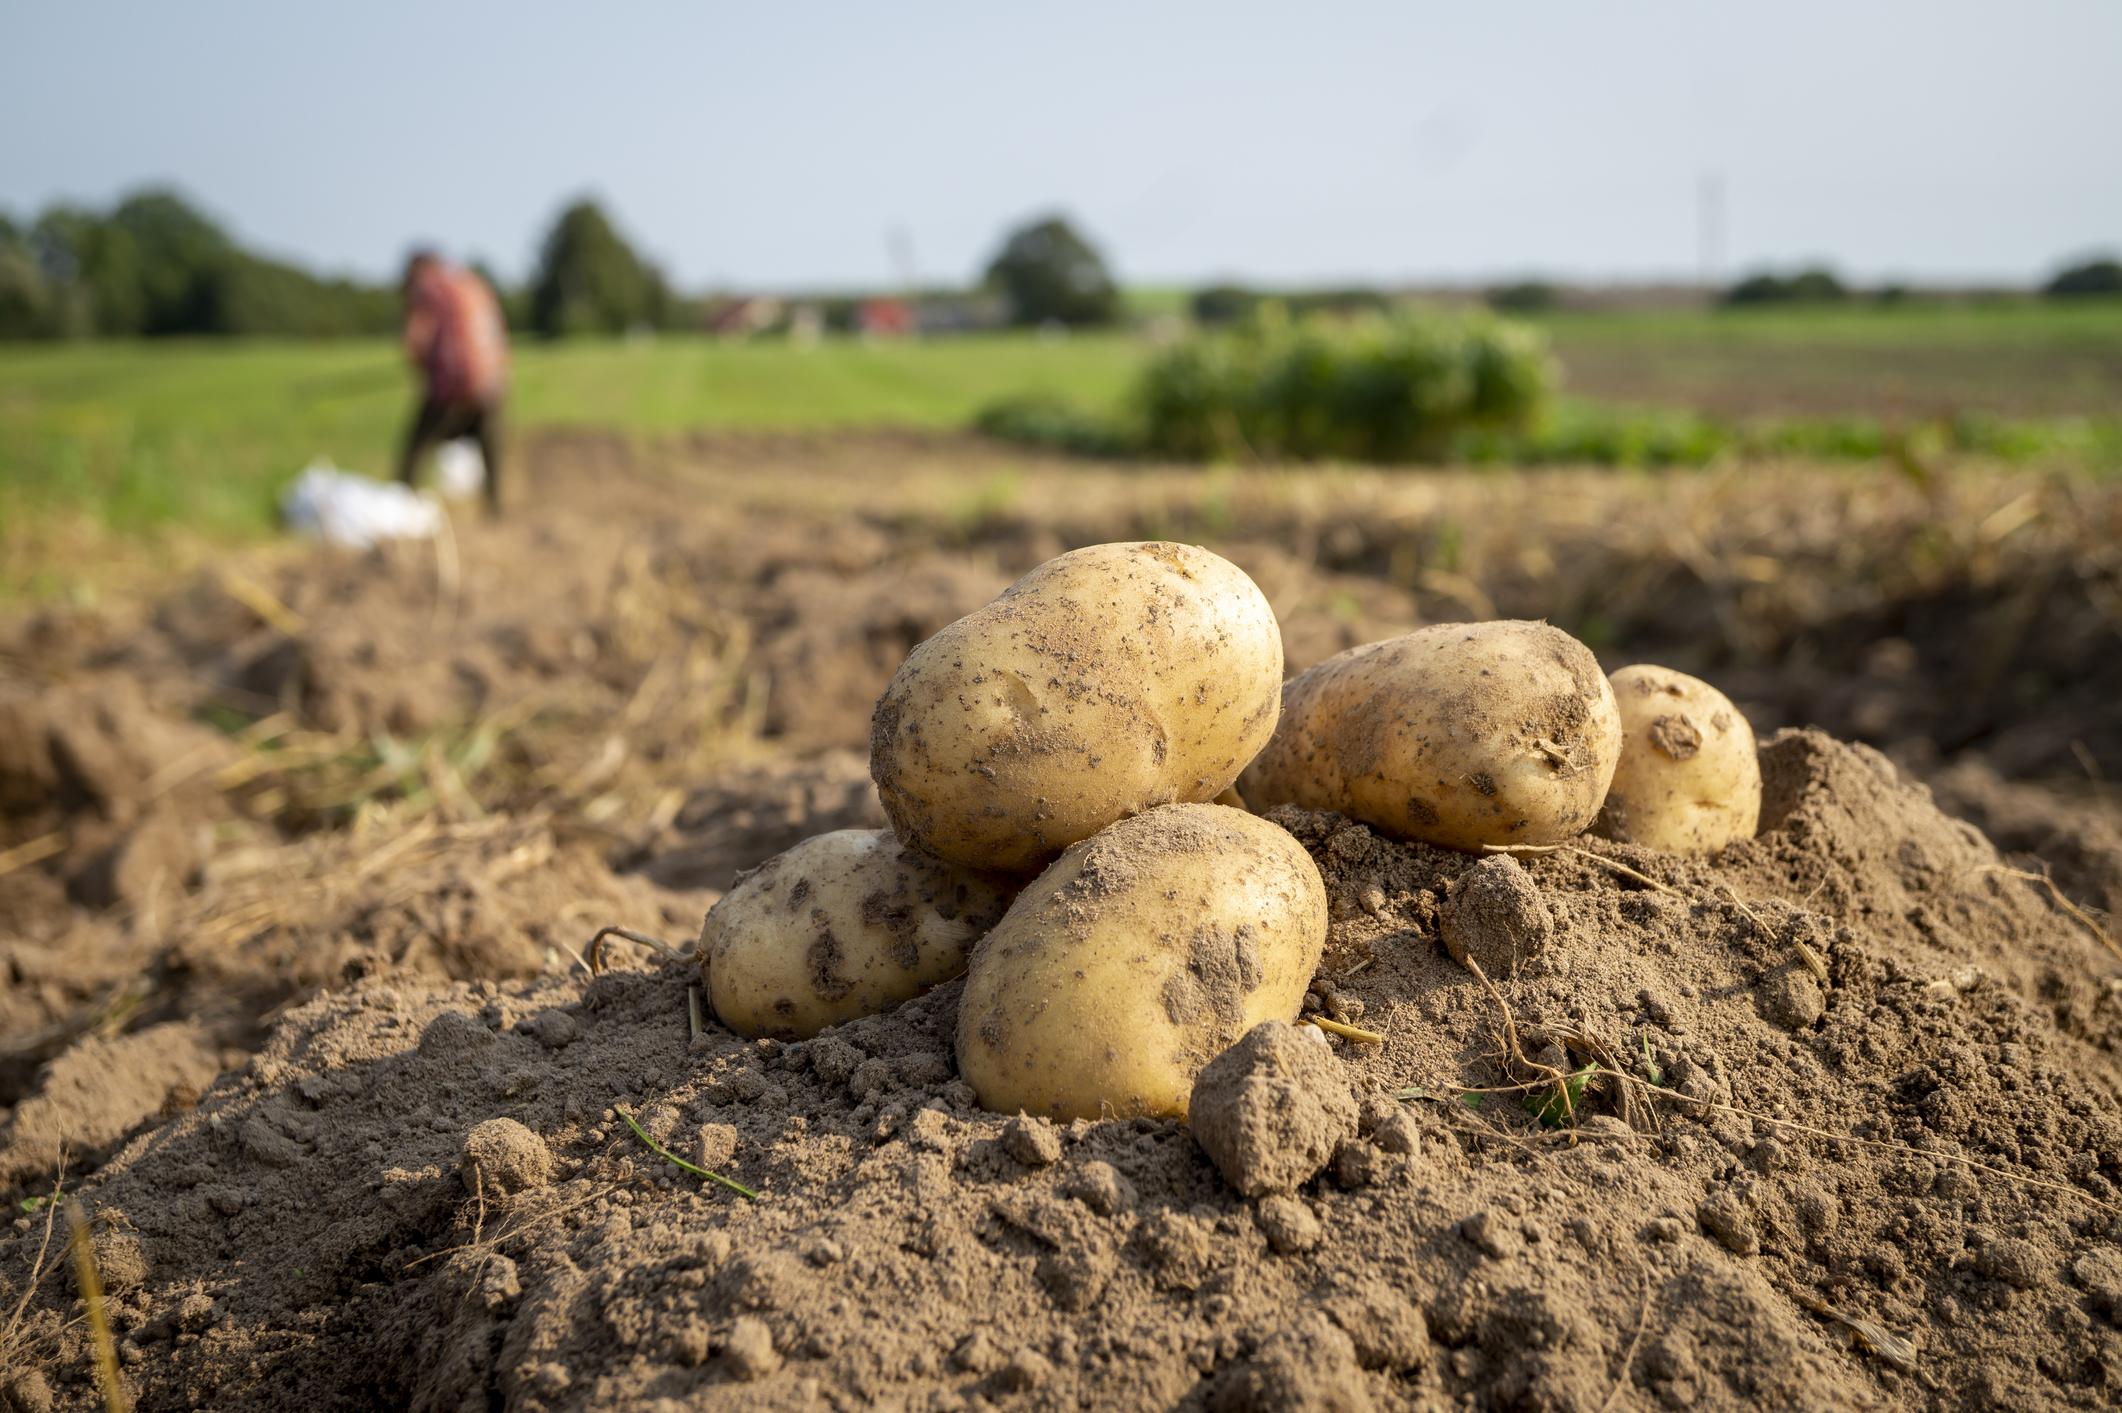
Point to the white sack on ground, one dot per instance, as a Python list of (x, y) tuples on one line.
[(460, 469), (342, 508)]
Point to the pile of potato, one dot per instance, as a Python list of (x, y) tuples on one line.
[(1059, 770)]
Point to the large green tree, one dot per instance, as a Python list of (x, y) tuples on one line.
[(1050, 274), (178, 258), (2091, 277), (92, 271), (1817, 285), (590, 281), (25, 297)]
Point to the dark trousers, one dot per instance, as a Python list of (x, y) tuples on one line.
[(438, 422)]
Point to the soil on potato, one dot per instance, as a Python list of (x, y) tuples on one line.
[(296, 864)]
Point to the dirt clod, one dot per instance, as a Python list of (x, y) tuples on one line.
[(1495, 916), (717, 1144), (151, 860), (2015, 1262), (501, 1155), (977, 1353), (1031, 1141), (2099, 1274), (1724, 1216), (1388, 1331), (1791, 998), (1271, 1109), (749, 1353), (121, 1260), (1308, 1364), (1099, 1186), (1026, 1370), (1492, 1233), (25, 1391), (1287, 1223), (1397, 1133)]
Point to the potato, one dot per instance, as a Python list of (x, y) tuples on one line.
[(1462, 734), (843, 925), (1690, 778), (1105, 682), (1138, 956)]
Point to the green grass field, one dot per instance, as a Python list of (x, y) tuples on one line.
[(132, 438), (140, 435), (2029, 359)]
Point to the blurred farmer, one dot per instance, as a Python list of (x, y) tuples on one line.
[(456, 337)]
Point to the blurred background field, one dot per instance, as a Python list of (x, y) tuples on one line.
[(2024, 357), (200, 436), (196, 437)]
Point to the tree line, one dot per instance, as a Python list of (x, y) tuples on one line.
[(154, 265)]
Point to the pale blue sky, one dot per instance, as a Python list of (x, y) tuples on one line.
[(776, 145)]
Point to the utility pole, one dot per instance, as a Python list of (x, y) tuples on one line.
[(899, 241), (1709, 229)]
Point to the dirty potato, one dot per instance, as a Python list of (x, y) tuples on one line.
[(1105, 682), (1689, 780), (1462, 734), (843, 925), (1139, 955)]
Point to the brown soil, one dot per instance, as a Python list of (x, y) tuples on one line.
[(336, 828)]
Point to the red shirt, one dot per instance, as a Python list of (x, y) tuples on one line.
[(455, 334)]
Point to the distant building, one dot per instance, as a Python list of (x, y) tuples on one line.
[(886, 319), (960, 313), (742, 317)]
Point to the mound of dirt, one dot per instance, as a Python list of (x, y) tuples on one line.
[(1847, 1140), (1826, 1120)]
